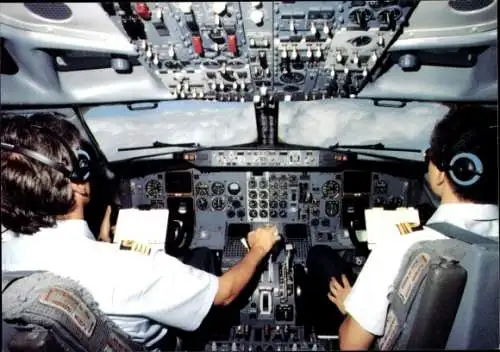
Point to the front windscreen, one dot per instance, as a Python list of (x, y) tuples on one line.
[(326, 122), (206, 123)]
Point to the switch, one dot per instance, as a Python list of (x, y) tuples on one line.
[(313, 29), (171, 52), (232, 45), (219, 7), (142, 9), (257, 17), (185, 7), (197, 46), (326, 29)]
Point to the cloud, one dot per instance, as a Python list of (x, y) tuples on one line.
[(318, 123), (323, 123), (212, 124)]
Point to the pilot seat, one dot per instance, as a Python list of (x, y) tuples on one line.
[(446, 295)]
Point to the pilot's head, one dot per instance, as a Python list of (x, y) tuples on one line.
[(44, 175), (463, 156)]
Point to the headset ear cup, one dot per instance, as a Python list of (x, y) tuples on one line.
[(82, 171), (465, 169)]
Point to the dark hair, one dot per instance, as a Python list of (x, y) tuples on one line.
[(34, 194), (469, 129)]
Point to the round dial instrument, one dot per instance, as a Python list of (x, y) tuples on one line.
[(202, 203), (381, 187), (233, 188), (330, 189), (201, 189), (218, 188), (153, 189), (331, 208), (218, 203)]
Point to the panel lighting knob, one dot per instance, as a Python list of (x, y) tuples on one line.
[(294, 54)]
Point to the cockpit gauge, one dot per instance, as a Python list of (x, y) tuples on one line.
[(252, 204), (201, 189), (330, 189), (252, 194), (218, 188), (361, 16), (379, 202), (153, 189), (202, 203), (396, 202), (233, 188), (381, 187), (263, 194), (218, 203), (252, 183), (263, 204), (262, 184), (331, 208)]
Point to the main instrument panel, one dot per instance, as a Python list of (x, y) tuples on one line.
[(309, 206), (235, 51)]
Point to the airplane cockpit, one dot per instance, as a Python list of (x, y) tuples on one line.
[(233, 115)]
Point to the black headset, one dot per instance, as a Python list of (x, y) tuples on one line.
[(80, 160), (463, 168)]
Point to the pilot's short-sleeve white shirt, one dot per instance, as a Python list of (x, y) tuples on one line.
[(368, 301), (142, 294)]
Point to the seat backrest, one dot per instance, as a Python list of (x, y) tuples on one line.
[(446, 295), (45, 312)]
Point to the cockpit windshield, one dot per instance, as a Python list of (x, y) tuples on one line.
[(205, 123), (327, 122), (314, 123)]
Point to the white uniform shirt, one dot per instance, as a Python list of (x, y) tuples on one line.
[(142, 294), (368, 301)]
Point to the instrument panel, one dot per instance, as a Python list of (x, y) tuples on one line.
[(309, 207), (237, 51)]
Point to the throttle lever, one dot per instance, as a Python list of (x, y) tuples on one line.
[(277, 248)]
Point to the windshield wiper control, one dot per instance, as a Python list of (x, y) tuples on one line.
[(158, 144), (376, 146)]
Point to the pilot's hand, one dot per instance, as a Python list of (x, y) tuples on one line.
[(105, 230), (338, 292), (263, 238)]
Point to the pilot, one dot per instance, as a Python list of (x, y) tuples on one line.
[(143, 294), (463, 172), (74, 220)]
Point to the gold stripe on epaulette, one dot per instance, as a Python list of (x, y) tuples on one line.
[(406, 227)]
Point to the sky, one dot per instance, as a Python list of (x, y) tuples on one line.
[(319, 123)]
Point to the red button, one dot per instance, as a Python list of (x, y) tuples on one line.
[(197, 47), (231, 44), (142, 10)]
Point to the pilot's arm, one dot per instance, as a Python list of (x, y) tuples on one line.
[(366, 305), (232, 282)]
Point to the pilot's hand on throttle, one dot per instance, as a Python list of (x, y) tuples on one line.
[(263, 238), (339, 292)]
